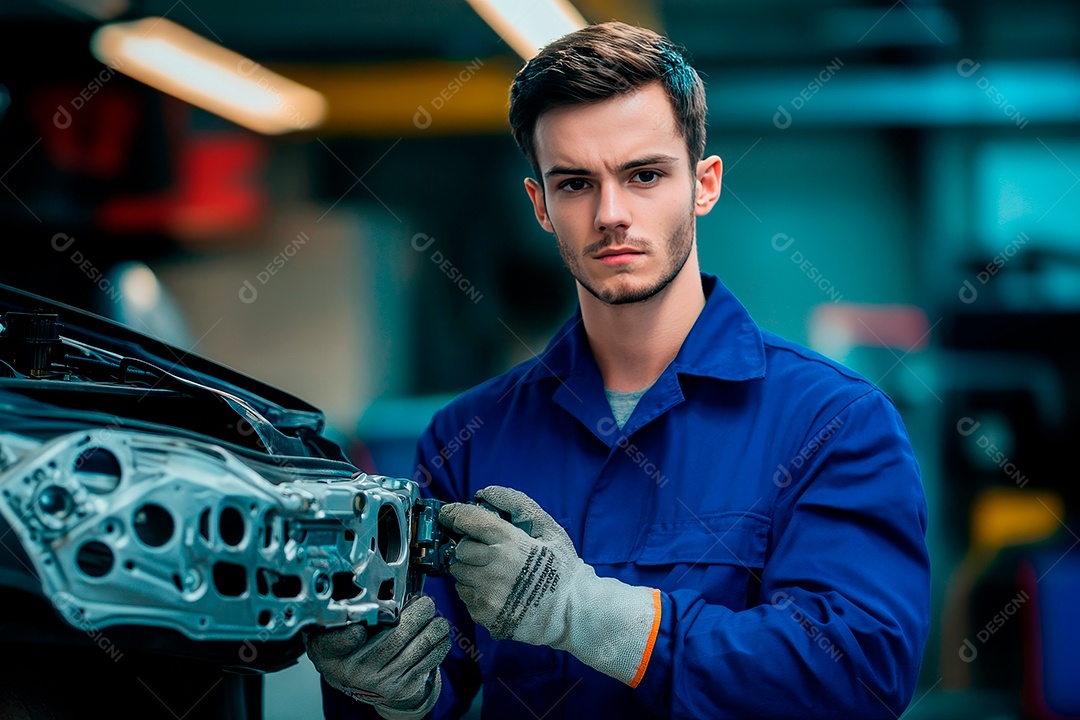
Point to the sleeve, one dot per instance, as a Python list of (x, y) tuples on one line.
[(461, 670), (440, 478), (844, 607)]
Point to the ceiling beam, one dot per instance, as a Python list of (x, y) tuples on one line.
[(431, 97)]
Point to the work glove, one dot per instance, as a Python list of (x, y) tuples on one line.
[(396, 670), (523, 580)]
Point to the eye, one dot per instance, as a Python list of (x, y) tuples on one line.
[(573, 185), (647, 177)]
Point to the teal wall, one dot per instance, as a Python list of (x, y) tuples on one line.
[(838, 195)]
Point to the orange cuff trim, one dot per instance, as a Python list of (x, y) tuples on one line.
[(652, 641)]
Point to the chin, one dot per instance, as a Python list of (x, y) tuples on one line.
[(624, 290)]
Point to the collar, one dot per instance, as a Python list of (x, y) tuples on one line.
[(724, 343)]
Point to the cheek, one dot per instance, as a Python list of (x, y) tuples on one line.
[(678, 207), (567, 218)]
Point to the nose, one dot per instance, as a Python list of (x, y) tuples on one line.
[(613, 210)]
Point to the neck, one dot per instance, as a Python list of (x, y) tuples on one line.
[(634, 343)]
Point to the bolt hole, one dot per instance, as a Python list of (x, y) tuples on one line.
[(153, 525), (231, 526)]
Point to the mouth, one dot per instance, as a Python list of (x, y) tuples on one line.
[(617, 255)]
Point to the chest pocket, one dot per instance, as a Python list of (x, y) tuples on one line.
[(721, 556)]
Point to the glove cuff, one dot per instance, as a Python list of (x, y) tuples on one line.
[(434, 688), (612, 626)]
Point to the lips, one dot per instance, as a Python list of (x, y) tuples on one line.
[(617, 251)]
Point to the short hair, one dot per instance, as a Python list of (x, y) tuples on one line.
[(599, 62)]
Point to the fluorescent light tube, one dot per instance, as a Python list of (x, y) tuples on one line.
[(529, 26), (176, 61)]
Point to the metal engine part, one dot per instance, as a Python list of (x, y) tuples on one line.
[(183, 508), (125, 527)]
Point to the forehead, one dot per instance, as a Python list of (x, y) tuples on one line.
[(610, 132)]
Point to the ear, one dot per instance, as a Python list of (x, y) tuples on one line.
[(709, 174), (536, 194)]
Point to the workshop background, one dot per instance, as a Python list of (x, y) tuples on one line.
[(899, 194)]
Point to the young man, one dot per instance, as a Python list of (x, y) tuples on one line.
[(707, 521)]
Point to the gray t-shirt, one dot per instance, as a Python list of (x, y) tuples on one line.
[(623, 403)]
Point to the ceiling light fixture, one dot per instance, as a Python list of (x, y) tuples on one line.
[(527, 27), (176, 61)]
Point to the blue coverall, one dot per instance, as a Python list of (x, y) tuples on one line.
[(771, 494)]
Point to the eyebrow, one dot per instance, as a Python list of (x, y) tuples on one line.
[(640, 162)]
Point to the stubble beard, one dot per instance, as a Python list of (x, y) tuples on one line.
[(679, 245)]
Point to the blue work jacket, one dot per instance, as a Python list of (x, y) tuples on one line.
[(770, 493)]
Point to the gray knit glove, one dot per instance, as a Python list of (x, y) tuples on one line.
[(533, 587), (396, 670)]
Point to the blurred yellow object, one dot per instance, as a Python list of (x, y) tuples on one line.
[(1001, 517), (643, 13), (433, 97), (1010, 516)]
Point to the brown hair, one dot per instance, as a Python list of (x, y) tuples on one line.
[(599, 62)]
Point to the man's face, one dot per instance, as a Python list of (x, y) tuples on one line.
[(618, 193)]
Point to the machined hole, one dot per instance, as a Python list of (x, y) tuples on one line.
[(204, 524), (231, 526), (153, 525), (268, 582), (386, 589), (388, 529), (230, 579), (268, 530), (95, 558), (344, 587), (287, 586), (98, 470)]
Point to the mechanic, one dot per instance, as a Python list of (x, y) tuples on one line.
[(707, 521)]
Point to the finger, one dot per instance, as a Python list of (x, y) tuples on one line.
[(426, 650), (483, 609), (476, 522), (414, 683), (385, 646), (471, 576), (468, 596), (523, 510), (507, 499), (335, 642), (422, 605), (471, 552)]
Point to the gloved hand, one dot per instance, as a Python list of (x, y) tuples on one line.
[(533, 587), (396, 670)]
